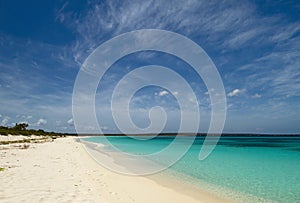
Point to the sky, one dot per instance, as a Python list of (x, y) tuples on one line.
[(255, 46)]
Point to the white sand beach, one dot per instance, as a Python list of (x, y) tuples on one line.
[(62, 171)]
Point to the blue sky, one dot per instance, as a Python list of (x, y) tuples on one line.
[(255, 46)]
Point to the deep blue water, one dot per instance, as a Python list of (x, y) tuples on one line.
[(264, 167)]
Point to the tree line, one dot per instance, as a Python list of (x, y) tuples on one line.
[(21, 129)]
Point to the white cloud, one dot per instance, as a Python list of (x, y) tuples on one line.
[(162, 93), (104, 128), (5, 120), (256, 96), (235, 92), (58, 123), (175, 93), (24, 121), (41, 122), (70, 121)]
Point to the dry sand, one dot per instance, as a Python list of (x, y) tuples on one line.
[(18, 137), (62, 171)]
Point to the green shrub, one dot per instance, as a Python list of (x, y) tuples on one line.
[(21, 129)]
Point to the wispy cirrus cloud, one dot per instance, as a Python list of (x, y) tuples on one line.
[(253, 48), (210, 20), (224, 29)]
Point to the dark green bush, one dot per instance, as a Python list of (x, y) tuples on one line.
[(21, 129)]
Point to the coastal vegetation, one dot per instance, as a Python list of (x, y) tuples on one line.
[(21, 129)]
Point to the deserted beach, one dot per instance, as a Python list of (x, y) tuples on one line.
[(62, 170)]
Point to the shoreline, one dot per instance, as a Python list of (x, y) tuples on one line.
[(62, 170), (178, 181), (173, 179), (162, 178), (179, 185)]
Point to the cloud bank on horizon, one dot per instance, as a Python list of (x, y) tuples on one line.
[(255, 46)]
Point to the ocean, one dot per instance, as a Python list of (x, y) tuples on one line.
[(244, 168)]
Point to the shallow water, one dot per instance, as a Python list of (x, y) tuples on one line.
[(265, 167)]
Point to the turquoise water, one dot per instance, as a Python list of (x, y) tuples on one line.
[(265, 167)]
